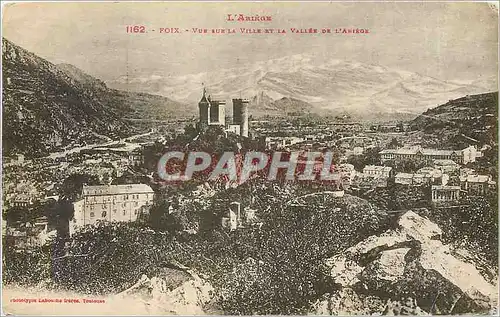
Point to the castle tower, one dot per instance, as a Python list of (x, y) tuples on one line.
[(204, 108), (240, 115), (217, 112)]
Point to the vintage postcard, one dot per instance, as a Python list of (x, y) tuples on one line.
[(249, 158)]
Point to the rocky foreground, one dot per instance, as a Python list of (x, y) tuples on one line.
[(404, 271)]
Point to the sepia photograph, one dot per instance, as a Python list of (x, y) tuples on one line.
[(249, 158)]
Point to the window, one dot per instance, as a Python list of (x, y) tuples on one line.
[(91, 215), (136, 203), (103, 214), (135, 211), (124, 212)]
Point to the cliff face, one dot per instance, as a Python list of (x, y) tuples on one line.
[(45, 109), (407, 270)]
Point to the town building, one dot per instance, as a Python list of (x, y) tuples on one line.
[(136, 158), (377, 171), (235, 219), (423, 176), (446, 166), (348, 173), (119, 203), (404, 178), (477, 184), (234, 128), (232, 220), (28, 234), (445, 193), (282, 142), (434, 176), (358, 150), (420, 154)]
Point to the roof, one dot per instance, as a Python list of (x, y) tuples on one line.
[(478, 178), (414, 151), (116, 189), (444, 162), (404, 175), (378, 168), (439, 187)]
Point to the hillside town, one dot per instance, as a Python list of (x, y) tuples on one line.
[(31, 185), (289, 176)]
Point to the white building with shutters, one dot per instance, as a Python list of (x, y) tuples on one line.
[(120, 203)]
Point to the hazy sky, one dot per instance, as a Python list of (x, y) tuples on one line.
[(443, 40)]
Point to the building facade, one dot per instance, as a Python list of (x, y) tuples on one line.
[(445, 193), (477, 184), (429, 155), (232, 220), (119, 203), (377, 171)]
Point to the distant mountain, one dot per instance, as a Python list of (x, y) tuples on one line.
[(468, 120), (81, 77), (327, 85), (47, 107), (132, 105), (264, 105)]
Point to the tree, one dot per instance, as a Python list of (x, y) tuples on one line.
[(72, 186), (394, 144)]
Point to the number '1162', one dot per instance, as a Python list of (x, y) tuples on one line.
[(136, 29)]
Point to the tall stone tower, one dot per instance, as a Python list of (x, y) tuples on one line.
[(240, 115), (217, 112), (212, 112), (204, 108)]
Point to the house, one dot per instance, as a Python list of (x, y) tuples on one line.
[(413, 179), (420, 154), (135, 158), (348, 173), (477, 184), (377, 171), (358, 150), (119, 203), (434, 176), (446, 166), (404, 178), (445, 193), (232, 219)]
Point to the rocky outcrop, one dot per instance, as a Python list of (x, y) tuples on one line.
[(406, 270), (191, 297)]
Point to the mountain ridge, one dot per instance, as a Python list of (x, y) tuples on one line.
[(47, 107), (327, 85)]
